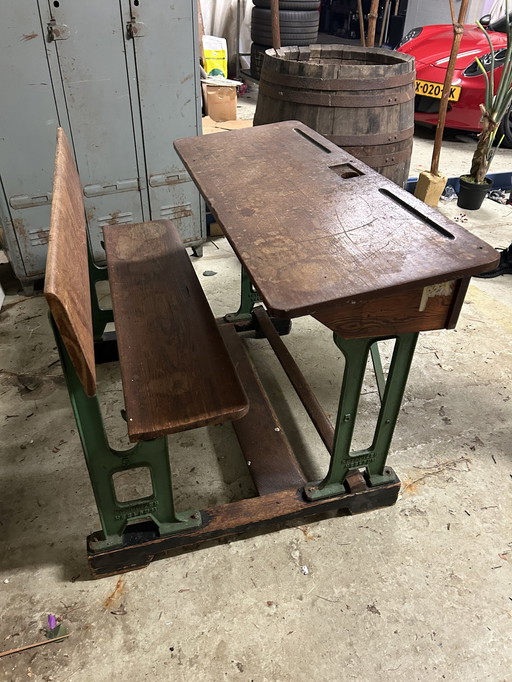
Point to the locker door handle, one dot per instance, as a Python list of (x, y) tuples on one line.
[(25, 201), (118, 186), (160, 179)]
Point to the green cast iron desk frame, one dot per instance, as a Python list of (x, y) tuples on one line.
[(318, 232)]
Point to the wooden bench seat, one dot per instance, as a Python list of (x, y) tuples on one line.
[(175, 369)]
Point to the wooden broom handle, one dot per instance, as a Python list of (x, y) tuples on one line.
[(458, 29), (361, 22), (372, 23), (276, 33)]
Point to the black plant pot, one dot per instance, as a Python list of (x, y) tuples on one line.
[(472, 194)]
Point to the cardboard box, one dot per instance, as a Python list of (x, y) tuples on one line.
[(210, 126), (221, 102)]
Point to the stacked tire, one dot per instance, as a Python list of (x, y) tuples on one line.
[(298, 24)]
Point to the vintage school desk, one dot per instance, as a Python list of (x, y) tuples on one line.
[(317, 233)]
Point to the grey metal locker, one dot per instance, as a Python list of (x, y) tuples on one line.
[(122, 78), (28, 118), (87, 51), (159, 56)]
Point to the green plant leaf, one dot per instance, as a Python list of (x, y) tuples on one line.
[(55, 632), (488, 87), (489, 83), (498, 102)]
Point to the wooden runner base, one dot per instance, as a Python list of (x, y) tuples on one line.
[(254, 515)]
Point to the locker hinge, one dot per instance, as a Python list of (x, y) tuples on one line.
[(135, 29), (56, 31)]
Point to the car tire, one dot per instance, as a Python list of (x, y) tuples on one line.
[(286, 40), (296, 28), (505, 130), (264, 16), (289, 4), (289, 26)]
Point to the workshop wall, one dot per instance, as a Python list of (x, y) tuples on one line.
[(421, 13)]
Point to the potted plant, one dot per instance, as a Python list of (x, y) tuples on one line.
[(498, 100)]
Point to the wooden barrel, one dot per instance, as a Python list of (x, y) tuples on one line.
[(361, 99)]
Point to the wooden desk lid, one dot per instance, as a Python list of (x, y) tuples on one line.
[(315, 226)]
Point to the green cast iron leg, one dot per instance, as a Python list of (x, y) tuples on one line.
[(244, 319), (373, 458), (97, 273), (103, 462), (390, 408), (248, 298), (356, 354), (377, 368)]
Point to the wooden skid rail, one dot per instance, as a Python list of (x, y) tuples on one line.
[(251, 515), (309, 400)]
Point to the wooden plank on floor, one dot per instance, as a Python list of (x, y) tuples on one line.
[(271, 460)]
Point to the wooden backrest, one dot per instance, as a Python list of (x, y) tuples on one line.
[(67, 271)]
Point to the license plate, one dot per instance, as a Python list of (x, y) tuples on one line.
[(436, 90)]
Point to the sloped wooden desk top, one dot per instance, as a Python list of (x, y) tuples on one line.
[(315, 226)]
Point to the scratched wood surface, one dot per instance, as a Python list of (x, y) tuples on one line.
[(66, 284), (315, 226), (175, 368)]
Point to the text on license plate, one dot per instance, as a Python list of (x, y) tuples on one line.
[(436, 90)]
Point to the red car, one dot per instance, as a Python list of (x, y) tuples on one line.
[(431, 46)]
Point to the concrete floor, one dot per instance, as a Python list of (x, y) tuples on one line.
[(420, 591)]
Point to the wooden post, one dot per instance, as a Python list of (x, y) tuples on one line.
[(361, 22), (458, 30), (276, 33), (372, 23), (430, 186)]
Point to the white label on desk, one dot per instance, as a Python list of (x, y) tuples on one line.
[(441, 289)]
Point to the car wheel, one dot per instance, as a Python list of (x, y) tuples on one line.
[(505, 130), (296, 28), (298, 39), (290, 4), (304, 17)]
